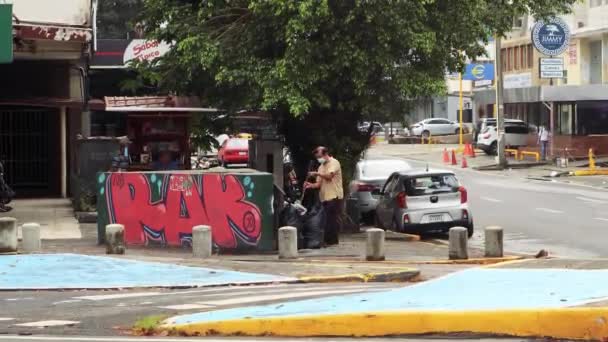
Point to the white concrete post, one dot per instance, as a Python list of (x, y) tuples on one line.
[(458, 244), (374, 249), (288, 243), (8, 235), (115, 239), (30, 242), (202, 242), (493, 242)]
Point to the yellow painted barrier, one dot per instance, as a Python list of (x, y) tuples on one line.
[(536, 155), (512, 151), (589, 173), (591, 160)]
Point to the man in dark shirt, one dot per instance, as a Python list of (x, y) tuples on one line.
[(121, 161)]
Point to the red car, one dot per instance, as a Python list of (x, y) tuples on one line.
[(234, 151)]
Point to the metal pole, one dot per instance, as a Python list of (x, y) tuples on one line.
[(500, 114), (461, 108)]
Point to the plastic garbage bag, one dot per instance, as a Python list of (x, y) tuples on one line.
[(314, 225)]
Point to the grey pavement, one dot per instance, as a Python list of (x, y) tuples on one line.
[(568, 220)]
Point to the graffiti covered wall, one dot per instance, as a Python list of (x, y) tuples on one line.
[(160, 208)]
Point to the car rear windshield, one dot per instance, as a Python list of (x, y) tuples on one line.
[(431, 184), (238, 143), (516, 128)]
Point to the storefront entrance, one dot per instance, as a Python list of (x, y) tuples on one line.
[(29, 150)]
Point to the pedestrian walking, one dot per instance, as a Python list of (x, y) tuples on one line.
[(6, 193), (543, 141), (331, 193), (122, 160)]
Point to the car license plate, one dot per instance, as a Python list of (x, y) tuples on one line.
[(435, 218), (242, 153)]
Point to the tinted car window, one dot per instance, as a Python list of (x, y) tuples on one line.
[(431, 184), (516, 129), (238, 143)]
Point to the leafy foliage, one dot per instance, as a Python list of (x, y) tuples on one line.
[(114, 18)]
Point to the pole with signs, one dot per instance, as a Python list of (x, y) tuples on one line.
[(6, 33), (501, 158)]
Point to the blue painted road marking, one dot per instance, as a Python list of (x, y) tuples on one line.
[(73, 271), (474, 289)]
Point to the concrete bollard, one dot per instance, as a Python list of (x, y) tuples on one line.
[(202, 242), (288, 243), (374, 249), (458, 244), (115, 239), (493, 242), (8, 235), (30, 242)]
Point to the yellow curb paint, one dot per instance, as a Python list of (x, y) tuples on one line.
[(589, 173), (565, 323), (400, 276)]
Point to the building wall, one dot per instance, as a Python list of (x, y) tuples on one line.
[(62, 12)]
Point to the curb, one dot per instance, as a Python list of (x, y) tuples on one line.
[(384, 277), (473, 261), (566, 323)]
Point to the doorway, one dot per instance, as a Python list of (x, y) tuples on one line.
[(29, 150), (595, 62)]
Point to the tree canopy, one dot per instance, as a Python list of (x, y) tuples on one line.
[(114, 18)]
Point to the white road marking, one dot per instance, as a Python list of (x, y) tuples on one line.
[(68, 301), (120, 296), (186, 307), (4, 319), (16, 299), (591, 200), (551, 211), (601, 219), (490, 199), (44, 324), (254, 299)]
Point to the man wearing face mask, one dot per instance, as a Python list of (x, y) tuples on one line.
[(331, 193)]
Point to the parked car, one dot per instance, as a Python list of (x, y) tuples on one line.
[(370, 175), (233, 151), (429, 127), (247, 136), (376, 129), (516, 135), (423, 202)]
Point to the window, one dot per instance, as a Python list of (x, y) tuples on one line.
[(522, 57), (509, 59), (503, 59), (430, 185), (516, 65), (530, 56), (518, 22)]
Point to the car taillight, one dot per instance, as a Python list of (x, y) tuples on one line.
[(465, 214), (406, 219), (402, 200), (464, 196), (362, 187), (486, 136)]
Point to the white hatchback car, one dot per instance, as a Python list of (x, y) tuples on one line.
[(516, 135), (430, 127)]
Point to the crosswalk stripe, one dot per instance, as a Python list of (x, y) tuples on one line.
[(44, 324), (254, 299), (4, 319), (186, 307)]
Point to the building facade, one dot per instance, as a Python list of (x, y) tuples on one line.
[(574, 108), (43, 94)]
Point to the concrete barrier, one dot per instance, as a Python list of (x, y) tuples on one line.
[(458, 249), (202, 241), (8, 235), (374, 249), (30, 242), (288, 243), (493, 242), (115, 239)]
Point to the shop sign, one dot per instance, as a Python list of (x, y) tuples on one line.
[(145, 50), (6, 33), (479, 72), (551, 68), (523, 80), (552, 37)]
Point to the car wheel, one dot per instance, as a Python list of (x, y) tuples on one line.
[(470, 230), (457, 131), (377, 222), (426, 134), (493, 149), (368, 218)]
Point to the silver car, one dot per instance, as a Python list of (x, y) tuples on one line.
[(422, 202), (370, 175), (432, 127)]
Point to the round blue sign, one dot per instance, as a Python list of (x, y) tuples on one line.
[(551, 38)]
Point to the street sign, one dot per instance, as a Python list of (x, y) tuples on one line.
[(551, 68), (551, 38), (479, 72), (6, 33)]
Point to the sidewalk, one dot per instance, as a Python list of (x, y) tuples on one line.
[(433, 154), (553, 298)]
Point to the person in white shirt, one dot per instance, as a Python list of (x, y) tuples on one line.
[(543, 141)]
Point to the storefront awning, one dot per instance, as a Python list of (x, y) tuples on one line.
[(152, 104)]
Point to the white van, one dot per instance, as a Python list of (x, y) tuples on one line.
[(516, 135)]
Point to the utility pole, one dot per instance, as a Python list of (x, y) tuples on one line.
[(501, 159)]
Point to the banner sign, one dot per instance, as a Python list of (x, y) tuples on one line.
[(6, 33)]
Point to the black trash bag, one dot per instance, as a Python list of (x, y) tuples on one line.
[(314, 227), (6, 193), (292, 218)]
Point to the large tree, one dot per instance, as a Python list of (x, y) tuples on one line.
[(323, 65)]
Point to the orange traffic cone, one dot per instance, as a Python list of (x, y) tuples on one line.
[(464, 162), (454, 161), (446, 157), (471, 151)]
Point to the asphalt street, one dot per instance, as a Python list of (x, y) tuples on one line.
[(566, 220), (90, 313)]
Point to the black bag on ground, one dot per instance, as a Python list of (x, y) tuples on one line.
[(6, 193), (314, 225), (290, 217)]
